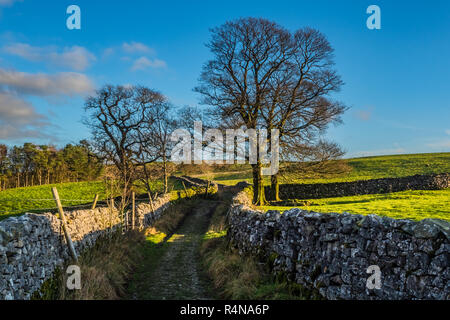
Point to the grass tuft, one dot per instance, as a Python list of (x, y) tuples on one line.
[(105, 269), (240, 277)]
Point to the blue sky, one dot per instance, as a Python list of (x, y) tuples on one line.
[(397, 79)]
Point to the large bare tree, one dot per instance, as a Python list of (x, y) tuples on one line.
[(155, 143), (263, 76), (248, 54), (299, 103), (120, 119)]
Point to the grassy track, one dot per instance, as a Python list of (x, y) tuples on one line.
[(414, 205), (169, 268)]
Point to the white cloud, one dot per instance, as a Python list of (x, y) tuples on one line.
[(447, 131), (138, 54), (19, 119), (75, 57), (143, 63), (137, 47), (40, 84)]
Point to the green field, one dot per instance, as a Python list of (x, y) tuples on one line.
[(361, 169), (414, 205), (38, 199), (410, 204)]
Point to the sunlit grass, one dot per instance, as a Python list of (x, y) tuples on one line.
[(175, 237), (392, 166), (155, 237), (414, 205), (214, 235), (241, 277), (39, 198)]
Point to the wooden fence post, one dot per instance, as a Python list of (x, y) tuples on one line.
[(125, 222), (94, 204), (185, 190), (206, 192), (133, 209), (64, 223)]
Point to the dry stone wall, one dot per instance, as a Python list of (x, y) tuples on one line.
[(33, 245), (330, 253), (384, 185), (144, 211)]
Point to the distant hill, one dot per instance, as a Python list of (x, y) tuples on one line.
[(361, 169)]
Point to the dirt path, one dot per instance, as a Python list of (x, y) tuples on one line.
[(173, 268)]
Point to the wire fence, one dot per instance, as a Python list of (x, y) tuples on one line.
[(69, 203)]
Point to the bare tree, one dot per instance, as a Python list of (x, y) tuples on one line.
[(120, 118), (162, 128), (299, 105), (155, 143), (263, 76), (322, 159), (248, 54)]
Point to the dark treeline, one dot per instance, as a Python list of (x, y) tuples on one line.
[(30, 164)]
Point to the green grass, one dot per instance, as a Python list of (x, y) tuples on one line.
[(395, 166), (213, 234), (14, 202), (158, 239), (392, 166), (18, 201), (414, 205)]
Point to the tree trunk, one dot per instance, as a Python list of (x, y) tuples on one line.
[(259, 198), (166, 187), (274, 188)]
